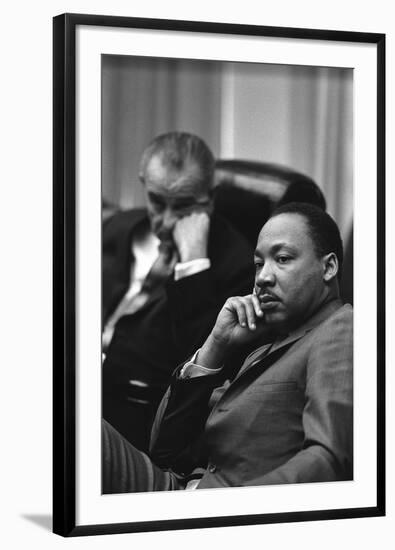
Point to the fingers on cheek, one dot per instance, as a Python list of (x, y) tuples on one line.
[(246, 315), (250, 314), (241, 314), (257, 306)]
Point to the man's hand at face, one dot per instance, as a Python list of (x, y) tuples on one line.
[(240, 321), (190, 235)]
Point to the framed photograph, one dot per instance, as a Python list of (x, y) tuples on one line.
[(174, 144)]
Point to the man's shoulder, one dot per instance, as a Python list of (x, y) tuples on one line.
[(337, 326), (124, 220), (130, 215), (344, 313)]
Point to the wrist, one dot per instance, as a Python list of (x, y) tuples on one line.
[(217, 340), (194, 253), (213, 352)]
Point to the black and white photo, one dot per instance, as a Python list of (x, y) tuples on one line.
[(218, 193)]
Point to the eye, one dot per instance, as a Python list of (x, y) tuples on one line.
[(156, 202), (282, 259), (184, 205), (258, 265)]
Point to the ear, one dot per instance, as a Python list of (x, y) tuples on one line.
[(331, 266), (142, 178)]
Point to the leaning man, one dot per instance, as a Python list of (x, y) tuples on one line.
[(286, 415), (167, 271)]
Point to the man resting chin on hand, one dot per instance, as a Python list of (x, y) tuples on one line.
[(286, 417)]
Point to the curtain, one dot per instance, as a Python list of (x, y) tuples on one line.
[(297, 116), (142, 98)]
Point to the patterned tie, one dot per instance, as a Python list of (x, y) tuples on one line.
[(162, 267), (161, 270)]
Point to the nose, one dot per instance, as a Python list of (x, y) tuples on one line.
[(265, 276)]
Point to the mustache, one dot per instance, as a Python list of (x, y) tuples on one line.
[(266, 294)]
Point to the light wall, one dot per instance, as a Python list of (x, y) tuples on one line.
[(297, 116), (300, 117), (26, 124)]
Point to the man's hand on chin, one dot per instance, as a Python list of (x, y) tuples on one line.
[(191, 236), (239, 322)]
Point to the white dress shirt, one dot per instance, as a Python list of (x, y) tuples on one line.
[(145, 250)]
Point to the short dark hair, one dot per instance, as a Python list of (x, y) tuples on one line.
[(323, 230), (176, 150)]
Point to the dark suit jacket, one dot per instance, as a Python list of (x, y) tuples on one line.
[(177, 318), (285, 418)]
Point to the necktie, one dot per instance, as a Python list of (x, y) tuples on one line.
[(161, 270), (162, 267)]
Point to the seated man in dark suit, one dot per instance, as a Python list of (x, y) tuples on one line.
[(287, 414), (166, 273)]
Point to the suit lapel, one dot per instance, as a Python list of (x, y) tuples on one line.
[(254, 357), (154, 295), (123, 259), (126, 259), (263, 356)]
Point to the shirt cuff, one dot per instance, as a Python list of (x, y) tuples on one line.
[(185, 269), (193, 370)]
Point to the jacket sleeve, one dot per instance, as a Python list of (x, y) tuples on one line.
[(179, 422), (327, 452)]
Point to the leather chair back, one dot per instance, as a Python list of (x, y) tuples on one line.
[(246, 192)]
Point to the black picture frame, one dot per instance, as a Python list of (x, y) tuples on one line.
[(64, 272)]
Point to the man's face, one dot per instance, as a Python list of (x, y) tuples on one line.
[(289, 279), (173, 194)]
